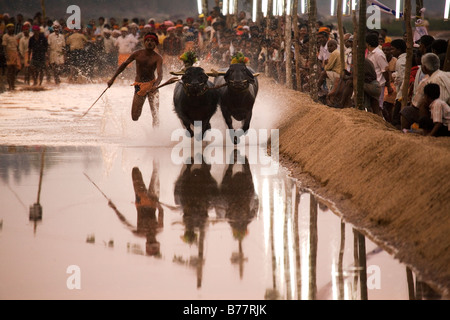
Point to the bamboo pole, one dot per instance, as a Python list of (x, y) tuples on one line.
[(288, 45), (268, 25), (354, 55), (43, 10), (409, 52), (341, 37), (361, 54), (205, 8), (296, 46), (313, 61)]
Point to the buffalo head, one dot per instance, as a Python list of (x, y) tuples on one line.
[(239, 77), (195, 81)]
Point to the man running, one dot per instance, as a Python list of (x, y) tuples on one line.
[(147, 62)]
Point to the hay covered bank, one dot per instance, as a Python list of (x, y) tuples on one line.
[(395, 186)]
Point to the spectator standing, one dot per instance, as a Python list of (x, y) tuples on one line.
[(172, 47), (23, 51), (11, 50), (398, 51), (111, 53), (56, 46), (378, 58), (37, 54), (76, 42)]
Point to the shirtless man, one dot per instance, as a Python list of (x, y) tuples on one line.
[(147, 62)]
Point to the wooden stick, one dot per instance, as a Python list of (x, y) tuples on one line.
[(170, 81), (94, 103)]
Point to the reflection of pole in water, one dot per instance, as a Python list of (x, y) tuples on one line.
[(272, 293), (313, 248), (360, 262), (340, 263), (36, 209), (410, 281), (297, 242), (201, 245)]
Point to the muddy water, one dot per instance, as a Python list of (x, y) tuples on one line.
[(101, 207)]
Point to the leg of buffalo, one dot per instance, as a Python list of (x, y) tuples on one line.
[(227, 117), (247, 120), (187, 125), (136, 109), (206, 126)]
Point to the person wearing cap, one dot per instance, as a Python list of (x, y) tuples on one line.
[(76, 42), (37, 54), (56, 48), (23, 51), (125, 45), (172, 47), (148, 61), (111, 53), (11, 50), (322, 40)]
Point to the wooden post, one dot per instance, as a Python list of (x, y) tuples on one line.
[(341, 36), (43, 11), (419, 6), (205, 8), (296, 46), (288, 46), (268, 25), (259, 13), (361, 54), (354, 54), (313, 59), (409, 52)]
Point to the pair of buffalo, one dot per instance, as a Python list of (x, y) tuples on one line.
[(197, 99)]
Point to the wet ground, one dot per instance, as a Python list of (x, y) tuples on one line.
[(101, 207)]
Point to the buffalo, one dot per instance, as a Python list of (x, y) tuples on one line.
[(238, 95), (194, 100)]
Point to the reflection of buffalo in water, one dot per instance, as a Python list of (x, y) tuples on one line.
[(238, 199), (196, 192), (238, 96), (193, 99)]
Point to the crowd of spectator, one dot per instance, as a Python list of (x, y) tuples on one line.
[(36, 48)]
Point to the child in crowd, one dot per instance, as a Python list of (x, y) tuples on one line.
[(437, 122)]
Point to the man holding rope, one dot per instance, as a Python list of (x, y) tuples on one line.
[(147, 62)]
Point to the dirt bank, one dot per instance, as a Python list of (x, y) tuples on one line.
[(395, 186)]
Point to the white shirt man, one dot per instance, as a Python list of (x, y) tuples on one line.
[(126, 43), (399, 75), (378, 58), (56, 46)]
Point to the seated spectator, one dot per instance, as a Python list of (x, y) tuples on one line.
[(332, 69), (435, 124), (430, 67)]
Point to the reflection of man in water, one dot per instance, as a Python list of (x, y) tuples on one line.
[(147, 202)]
